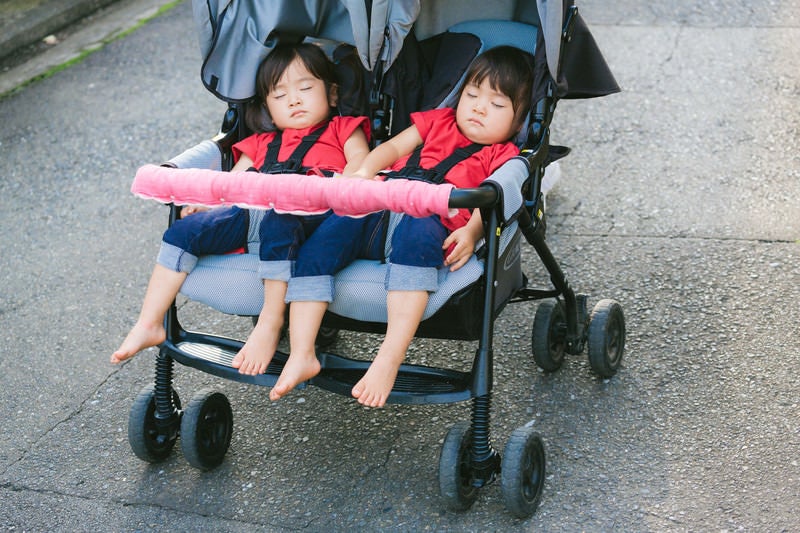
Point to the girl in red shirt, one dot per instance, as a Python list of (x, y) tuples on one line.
[(296, 86)]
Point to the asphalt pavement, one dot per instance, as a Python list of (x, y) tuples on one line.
[(679, 199)]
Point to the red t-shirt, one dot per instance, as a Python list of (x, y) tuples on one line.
[(326, 154), (441, 137)]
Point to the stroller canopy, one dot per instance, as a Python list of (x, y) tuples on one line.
[(236, 35)]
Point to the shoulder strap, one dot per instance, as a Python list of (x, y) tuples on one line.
[(294, 163), (413, 161), (272, 151), (413, 171), (456, 157)]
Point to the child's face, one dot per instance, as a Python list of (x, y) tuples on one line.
[(298, 100), (484, 115)]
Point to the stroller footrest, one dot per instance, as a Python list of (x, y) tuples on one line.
[(415, 384), (217, 357)]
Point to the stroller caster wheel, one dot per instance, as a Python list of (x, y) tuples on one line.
[(149, 440), (606, 337), (455, 470), (523, 471), (206, 429), (548, 340)]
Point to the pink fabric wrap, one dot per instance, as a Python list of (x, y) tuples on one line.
[(291, 193)]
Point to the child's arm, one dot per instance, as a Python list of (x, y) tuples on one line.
[(355, 149), (243, 163), (388, 152), (464, 239)]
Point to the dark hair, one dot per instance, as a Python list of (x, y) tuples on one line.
[(272, 68), (509, 71)]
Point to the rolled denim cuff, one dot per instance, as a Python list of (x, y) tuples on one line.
[(310, 289), (174, 258), (411, 278), (275, 270)]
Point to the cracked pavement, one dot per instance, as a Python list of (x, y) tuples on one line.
[(679, 199)]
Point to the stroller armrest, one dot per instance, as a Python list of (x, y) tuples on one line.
[(503, 189), (206, 155)]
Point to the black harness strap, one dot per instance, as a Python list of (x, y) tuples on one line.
[(412, 170), (294, 164)]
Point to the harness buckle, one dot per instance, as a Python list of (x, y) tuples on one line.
[(285, 167)]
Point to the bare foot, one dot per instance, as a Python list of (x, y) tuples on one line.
[(297, 370), (374, 388), (140, 337), (257, 352)]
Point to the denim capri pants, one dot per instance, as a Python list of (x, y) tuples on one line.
[(416, 254), (223, 230)]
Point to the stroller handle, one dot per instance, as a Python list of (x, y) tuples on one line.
[(483, 196)]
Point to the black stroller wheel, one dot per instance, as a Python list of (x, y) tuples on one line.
[(548, 338), (148, 441), (455, 469), (206, 429), (606, 338), (523, 472)]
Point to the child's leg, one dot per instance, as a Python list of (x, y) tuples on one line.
[(149, 328), (334, 245), (416, 254), (405, 309), (305, 319), (207, 232), (257, 352)]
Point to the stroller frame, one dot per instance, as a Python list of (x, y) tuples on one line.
[(468, 460)]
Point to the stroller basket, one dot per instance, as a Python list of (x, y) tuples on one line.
[(568, 64)]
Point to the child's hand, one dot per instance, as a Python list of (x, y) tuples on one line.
[(463, 245), (354, 175), (192, 209)]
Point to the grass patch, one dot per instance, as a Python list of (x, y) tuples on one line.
[(92, 49)]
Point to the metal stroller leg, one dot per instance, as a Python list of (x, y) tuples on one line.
[(468, 461), (576, 314), (485, 460), (167, 414)]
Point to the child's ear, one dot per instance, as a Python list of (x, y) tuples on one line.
[(333, 95)]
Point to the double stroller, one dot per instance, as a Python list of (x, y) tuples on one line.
[(394, 57)]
